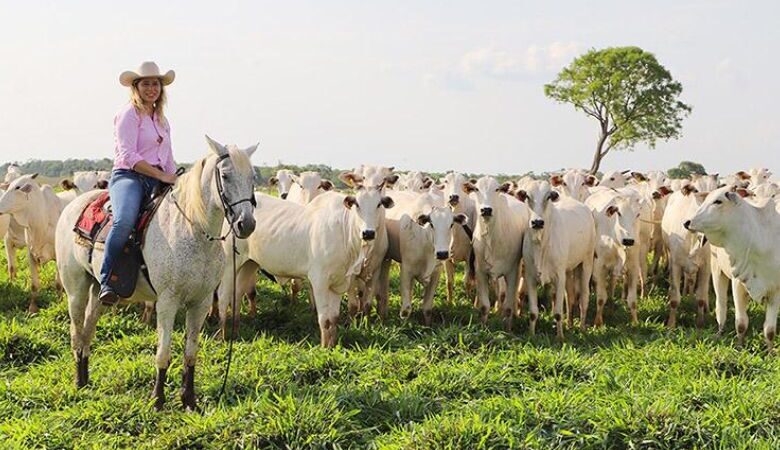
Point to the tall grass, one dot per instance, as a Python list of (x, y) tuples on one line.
[(396, 385)]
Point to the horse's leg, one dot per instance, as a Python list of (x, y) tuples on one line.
[(196, 315), (166, 313), (79, 294), (35, 282)]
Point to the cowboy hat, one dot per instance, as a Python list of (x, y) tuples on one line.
[(147, 69)]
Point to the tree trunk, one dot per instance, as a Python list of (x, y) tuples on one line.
[(598, 155)]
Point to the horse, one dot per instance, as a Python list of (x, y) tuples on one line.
[(182, 254)]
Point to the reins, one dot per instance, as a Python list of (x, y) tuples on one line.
[(230, 215)]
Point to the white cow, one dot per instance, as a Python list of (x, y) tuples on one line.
[(766, 190), (325, 241), (575, 183), (92, 179), (12, 172), (558, 249), (705, 183), (748, 232), (614, 179), (307, 186), (498, 238), (461, 203), (36, 209), (365, 284), (688, 253), (420, 231), (283, 180), (616, 214)]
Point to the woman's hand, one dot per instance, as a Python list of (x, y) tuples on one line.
[(169, 178)]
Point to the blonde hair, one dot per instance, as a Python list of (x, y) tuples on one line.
[(159, 105)]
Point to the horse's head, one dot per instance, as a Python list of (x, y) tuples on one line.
[(234, 177)]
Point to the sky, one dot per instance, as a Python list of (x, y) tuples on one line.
[(423, 85)]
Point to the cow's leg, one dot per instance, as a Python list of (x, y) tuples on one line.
[(35, 282), (702, 293), (406, 292), (195, 316), (674, 293), (148, 314), (10, 254), (295, 289), (560, 292), (430, 290), (500, 294), (720, 284), (328, 304), (571, 298), (483, 294), (601, 291), (510, 301), (244, 271), (633, 275), (449, 266), (166, 313), (533, 301), (383, 287), (741, 300), (770, 322), (521, 295), (586, 271)]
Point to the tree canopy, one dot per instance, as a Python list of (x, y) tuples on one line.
[(632, 96), (685, 169)]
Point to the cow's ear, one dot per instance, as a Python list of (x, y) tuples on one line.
[(505, 187), (688, 189), (742, 175), (744, 192), (273, 181), (326, 185), (423, 219), (387, 202), (349, 201), (391, 179), (427, 182), (469, 187), (611, 210), (521, 195), (102, 184), (590, 181), (556, 180), (638, 176), (554, 196), (473, 181), (461, 219), (351, 179)]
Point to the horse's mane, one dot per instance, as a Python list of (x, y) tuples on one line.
[(189, 192)]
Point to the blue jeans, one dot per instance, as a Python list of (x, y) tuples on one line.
[(129, 190)]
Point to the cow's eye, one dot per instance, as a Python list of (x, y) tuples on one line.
[(718, 202)]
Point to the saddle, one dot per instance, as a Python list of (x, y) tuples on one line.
[(92, 228)]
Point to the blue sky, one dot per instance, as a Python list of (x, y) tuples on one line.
[(427, 85)]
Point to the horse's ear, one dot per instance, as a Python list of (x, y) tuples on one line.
[(251, 150), (34, 176), (216, 147)]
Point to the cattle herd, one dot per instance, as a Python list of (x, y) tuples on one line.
[(571, 231)]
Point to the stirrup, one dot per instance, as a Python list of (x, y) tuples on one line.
[(108, 297)]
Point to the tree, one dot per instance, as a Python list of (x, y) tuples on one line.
[(632, 96), (685, 169)]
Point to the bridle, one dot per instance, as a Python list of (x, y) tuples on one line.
[(227, 206)]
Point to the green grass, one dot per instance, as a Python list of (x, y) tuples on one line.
[(395, 385)]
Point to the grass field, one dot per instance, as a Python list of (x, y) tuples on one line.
[(397, 385)]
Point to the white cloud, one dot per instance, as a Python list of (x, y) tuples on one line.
[(490, 62)]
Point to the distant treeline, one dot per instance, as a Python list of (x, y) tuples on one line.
[(65, 169)]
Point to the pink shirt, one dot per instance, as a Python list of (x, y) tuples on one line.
[(136, 139)]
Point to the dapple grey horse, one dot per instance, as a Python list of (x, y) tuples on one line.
[(184, 264)]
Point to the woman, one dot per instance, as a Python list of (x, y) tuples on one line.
[(142, 159)]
